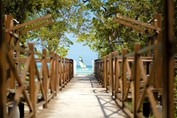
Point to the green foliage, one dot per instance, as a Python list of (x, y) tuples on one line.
[(104, 35), (20, 9), (52, 37), (90, 20)]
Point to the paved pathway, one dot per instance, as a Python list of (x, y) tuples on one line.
[(82, 97)]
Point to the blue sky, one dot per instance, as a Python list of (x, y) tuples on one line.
[(77, 49)]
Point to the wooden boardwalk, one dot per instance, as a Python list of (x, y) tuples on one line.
[(82, 97)]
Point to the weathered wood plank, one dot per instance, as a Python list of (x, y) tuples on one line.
[(131, 20), (32, 85), (35, 27), (136, 80), (29, 22), (129, 25)]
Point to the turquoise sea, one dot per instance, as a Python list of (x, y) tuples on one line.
[(87, 71)]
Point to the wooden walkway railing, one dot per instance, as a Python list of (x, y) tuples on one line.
[(142, 83), (131, 79), (30, 79), (135, 81)]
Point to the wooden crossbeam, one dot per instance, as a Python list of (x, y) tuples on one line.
[(146, 81), (129, 25), (36, 27), (129, 81), (143, 73), (146, 25), (21, 88), (20, 82), (153, 103), (128, 67), (132, 84), (29, 22), (40, 83)]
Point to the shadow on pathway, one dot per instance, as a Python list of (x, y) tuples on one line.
[(83, 97)]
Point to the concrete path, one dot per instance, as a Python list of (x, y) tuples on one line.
[(82, 97)]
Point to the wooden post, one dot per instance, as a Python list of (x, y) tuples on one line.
[(62, 72), (45, 76), (111, 73), (56, 73), (99, 70), (108, 78), (168, 60), (2, 67), (60, 81), (32, 79), (124, 72), (52, 73), (114, 72), (136, 80), (105, 72), (157, 55), (116, 67), (69, 65), (70, 68), (67, 70)]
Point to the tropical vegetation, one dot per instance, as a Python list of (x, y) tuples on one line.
[(90, 20)]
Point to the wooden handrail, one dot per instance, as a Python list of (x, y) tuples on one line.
[(44, 77), (29, 22), (36, 27), (131, 78), (134, 76), (25, 77), (146, 25), (129, 25)]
